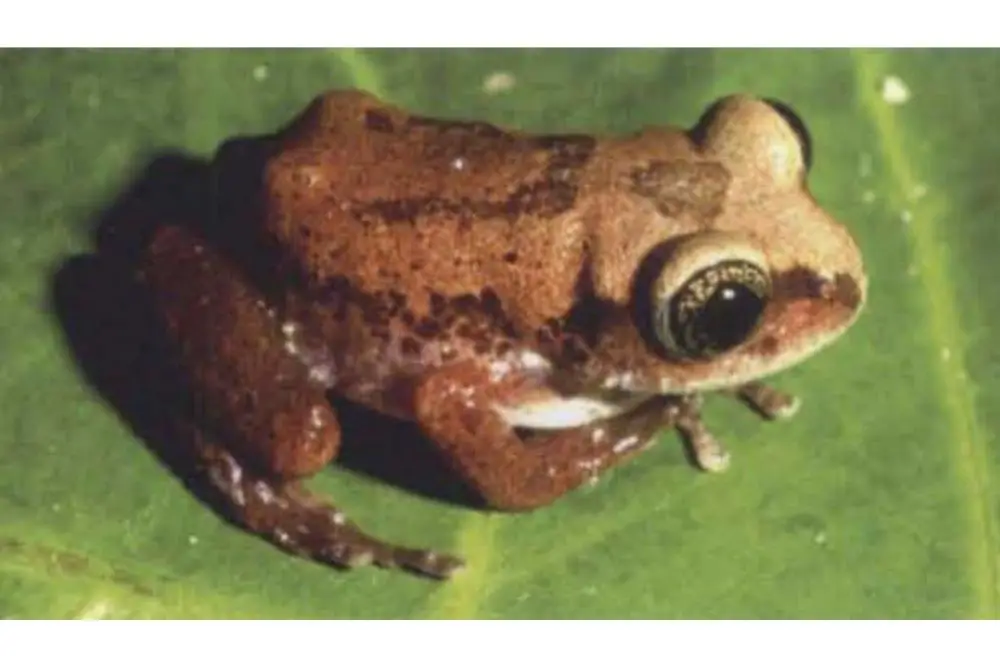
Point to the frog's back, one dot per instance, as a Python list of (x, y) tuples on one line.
[(391, 202)]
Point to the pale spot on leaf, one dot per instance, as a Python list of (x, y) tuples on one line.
[(498, 82), (895, 91)]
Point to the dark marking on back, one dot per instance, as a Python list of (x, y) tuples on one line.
[(477, 318), (679, 186), (377, 121), (570, 339), (410, 346), (551, 194), (474, 128)]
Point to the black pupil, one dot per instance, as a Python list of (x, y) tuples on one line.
[(718, 308), (727, 318)]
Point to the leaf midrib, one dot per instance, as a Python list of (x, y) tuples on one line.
[(945, 325)]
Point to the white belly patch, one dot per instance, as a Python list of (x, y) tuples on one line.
[(559, 412)]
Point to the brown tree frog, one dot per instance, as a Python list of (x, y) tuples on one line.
[(540, 306)]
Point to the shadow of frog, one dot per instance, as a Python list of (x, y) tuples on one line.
[(113, 332)]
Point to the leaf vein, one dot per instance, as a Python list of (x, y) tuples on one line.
[(940, 297)]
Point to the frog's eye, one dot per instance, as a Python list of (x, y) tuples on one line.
[(798, 126), (709, 297), (764, 141)]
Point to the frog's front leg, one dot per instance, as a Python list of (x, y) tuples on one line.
[(767, 401), (708, 452), (261, 423), (456, 408), (705, 448)]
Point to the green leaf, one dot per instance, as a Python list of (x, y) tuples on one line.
[(877, 500)]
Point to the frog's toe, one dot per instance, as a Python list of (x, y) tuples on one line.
[(714, 460), (769, 402), (301, 523), (787, 409), (346, 554), (428, 563), (363, 551), (705, 448), (325, 535)]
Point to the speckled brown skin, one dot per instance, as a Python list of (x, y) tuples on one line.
[(541, 238), (264, 424), (439, 270)]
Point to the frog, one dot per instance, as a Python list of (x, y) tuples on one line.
[(541, 307)]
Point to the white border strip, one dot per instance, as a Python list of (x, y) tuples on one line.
[(440, 644), (509, 23)]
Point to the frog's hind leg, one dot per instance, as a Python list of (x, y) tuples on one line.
[(261, 424), (298, 521)]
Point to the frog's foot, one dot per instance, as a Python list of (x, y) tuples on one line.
[(770, 403), (707, 451), (299, 522)]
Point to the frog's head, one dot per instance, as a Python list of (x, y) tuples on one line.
[(746, 287)]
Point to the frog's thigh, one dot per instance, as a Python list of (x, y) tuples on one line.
[(266, 423), (455, 407), (247, 386)]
